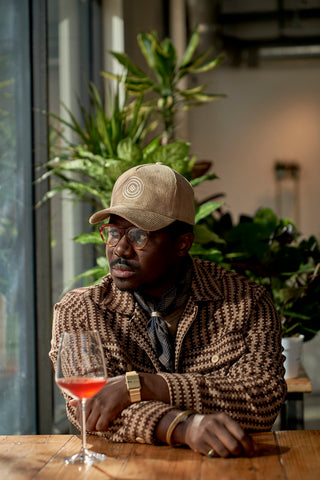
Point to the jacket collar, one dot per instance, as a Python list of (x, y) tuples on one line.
[(205, 282), (114, 299)]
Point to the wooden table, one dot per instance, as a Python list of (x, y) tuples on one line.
[(292, 412), (290, 455)]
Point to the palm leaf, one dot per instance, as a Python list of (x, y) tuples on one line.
[(191, 48), (145, 44), (124, 60), (207, 66)]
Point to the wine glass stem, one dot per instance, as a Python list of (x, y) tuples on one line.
[(83, 424)]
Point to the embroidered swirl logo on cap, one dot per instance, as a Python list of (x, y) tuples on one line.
[(133, 188)]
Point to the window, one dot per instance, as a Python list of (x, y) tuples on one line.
[(17, 325), (72, 31), (74, 59)]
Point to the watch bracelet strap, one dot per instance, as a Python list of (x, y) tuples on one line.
[(135, 395)]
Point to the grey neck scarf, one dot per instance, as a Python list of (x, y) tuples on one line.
[(160, 337)]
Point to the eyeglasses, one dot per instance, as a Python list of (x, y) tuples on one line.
[(111, 235)]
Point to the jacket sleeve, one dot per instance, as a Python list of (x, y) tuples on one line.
[(137, 422), (241, 373)]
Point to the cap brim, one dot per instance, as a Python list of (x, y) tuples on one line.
[(140, 218)]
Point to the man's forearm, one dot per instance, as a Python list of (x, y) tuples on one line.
[(154, 387), (179, 432)]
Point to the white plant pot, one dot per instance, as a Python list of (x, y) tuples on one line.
[(292, 351)]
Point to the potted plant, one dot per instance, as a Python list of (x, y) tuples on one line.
[(114, 135), (161, 85), (271, 252)]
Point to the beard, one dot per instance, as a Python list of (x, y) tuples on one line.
[(125, 289)]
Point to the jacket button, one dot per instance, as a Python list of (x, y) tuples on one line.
[(140, 440), (214, 359)]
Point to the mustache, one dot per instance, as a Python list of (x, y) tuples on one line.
[(121, 261)]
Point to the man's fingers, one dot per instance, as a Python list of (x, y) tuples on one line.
[(224, 443), (218, 432), (92, 416), (216, 448), (97, 420), (218, 438), (244, 440), (102, 424)]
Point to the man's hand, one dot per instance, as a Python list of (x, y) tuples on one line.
[(105, 405), (113, 398), (214, 433), (217, 432)]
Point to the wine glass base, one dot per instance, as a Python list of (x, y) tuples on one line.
[(85, 457)]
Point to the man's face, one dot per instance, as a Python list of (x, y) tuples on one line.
[(153, 269)]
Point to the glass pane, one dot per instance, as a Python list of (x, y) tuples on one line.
[(17, 353), (69, 40)]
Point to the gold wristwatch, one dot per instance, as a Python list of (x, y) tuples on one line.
[(133, 386)]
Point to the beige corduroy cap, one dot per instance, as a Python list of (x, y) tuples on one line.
[(150, 196)]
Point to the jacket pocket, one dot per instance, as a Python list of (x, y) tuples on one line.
[(221, 353)]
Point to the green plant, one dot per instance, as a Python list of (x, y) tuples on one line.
[(161, 89), (271, 252), (102, 147), (107, 141)]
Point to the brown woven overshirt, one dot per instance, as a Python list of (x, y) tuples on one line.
[(227, 350)]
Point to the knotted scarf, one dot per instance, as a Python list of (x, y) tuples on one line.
[(160, 337)]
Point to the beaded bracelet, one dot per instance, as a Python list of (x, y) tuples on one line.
[(178, 419)]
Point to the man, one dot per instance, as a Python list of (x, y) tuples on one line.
[(192, 350)]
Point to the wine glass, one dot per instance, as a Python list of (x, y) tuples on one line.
[(81, 373)]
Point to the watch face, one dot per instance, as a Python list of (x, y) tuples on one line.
[(134, 383), (133, 386)]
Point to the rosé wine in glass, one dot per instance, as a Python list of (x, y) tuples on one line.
[(81, 373), (81, 387)]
